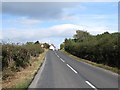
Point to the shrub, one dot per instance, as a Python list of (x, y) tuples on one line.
[(102, 48)]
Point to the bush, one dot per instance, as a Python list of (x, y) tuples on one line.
[(16, 56), (102, 48)]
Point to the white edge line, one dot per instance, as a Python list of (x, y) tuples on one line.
[(72, 68), (91, 85)]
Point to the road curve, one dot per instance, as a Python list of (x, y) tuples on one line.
[(62, 71)]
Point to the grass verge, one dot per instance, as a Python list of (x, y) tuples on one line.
[(113, 69), (23, 78)]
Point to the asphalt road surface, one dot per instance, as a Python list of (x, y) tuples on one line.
[(62, 71)]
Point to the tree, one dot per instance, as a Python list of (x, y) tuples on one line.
[(101, 48), (46, 45), (29, 43), (81, 35), (37, 42), (62, 46)]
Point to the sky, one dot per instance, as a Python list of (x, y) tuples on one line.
[(52, 22)]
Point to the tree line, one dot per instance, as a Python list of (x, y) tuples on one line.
[(102, 48)]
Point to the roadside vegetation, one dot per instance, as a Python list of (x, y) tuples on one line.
[(20, 62), (102, 49)]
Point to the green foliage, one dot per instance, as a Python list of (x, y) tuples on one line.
[(46, 45), (15, 56), (102, 48), (81, 35), (37, 42), (61, 46), (28, 43)]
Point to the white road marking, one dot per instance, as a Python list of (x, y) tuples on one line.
[(72, 68), (91, 85), (58, 56), (62, 60)]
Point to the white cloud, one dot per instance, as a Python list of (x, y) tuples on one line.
[(23, 21), (63, 30), (27, 21), (98, 30), (57, 31)]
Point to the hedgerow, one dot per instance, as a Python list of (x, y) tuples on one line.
[(15, 56), (101, 48)]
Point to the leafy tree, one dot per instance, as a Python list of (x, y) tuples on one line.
[(81, 35), (101, 48), (28, 43), (62, 46), (46, 45), (37, 42)]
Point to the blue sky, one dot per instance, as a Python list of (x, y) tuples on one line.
[(53, 22)]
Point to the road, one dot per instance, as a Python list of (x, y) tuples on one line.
[(62, 71)]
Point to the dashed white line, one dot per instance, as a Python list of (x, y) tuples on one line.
[(76, 72), (58, 56), (91, 85), (62, 60), (72, 68)]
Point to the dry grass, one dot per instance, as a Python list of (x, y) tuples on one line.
[(23, 78), (113, 69)]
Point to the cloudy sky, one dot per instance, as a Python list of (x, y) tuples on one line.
[(54, 21)]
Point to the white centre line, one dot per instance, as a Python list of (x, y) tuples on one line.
[(62, 60), (55, 53), (72, 68), (58, 56), (91, 85)]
